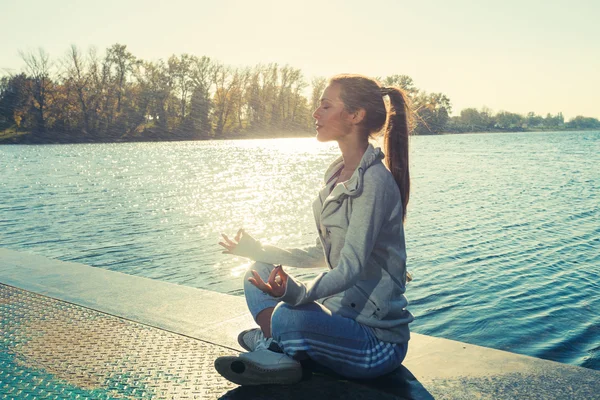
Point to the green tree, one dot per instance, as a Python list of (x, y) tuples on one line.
[(533, 121), (553, 121), (403, 81), (14, 100), (581, 122), (471, 118), (157, 86), (432, 112), (509, 121), (200, 107)]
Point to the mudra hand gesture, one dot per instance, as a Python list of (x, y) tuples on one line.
[(230, 244), (275, 285)]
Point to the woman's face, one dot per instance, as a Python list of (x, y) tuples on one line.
[(332, 120)]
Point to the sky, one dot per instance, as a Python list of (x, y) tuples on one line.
[(510, 55)]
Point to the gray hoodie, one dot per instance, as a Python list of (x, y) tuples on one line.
[(361, 242)]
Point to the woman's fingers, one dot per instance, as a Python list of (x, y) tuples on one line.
[(228, 243), (282, 274), (259, 283), (228, 248), (273, 274), (284, 277), (228, 240), (238, 236), (275, 285), (277, 281)]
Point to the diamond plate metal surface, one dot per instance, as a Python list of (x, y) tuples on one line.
[(57, 350)]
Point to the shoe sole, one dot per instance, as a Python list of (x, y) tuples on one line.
[(249, 373)]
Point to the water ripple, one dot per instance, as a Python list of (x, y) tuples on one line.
[(503, 231)]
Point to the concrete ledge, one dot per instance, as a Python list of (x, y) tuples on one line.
[(434, 367), (202, 314)]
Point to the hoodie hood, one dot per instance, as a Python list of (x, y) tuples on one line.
[(353, 186)]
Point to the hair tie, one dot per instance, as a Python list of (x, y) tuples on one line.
[(385, 91)]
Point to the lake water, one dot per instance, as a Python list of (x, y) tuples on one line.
[(503, 230)]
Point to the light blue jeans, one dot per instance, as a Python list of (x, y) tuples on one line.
[(311, 331)]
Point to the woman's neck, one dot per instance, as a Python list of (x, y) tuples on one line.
[(353, 150)]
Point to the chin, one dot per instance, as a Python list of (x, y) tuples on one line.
[(322, 137)]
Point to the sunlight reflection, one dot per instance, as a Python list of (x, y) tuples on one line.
[(240, 269), (285, 145)]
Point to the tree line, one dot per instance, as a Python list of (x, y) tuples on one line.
[(484, 120), (116, 96)]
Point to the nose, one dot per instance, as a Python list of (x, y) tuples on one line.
[(315, 115)]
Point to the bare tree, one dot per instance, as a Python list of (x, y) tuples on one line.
[(318, 85), (180, 69), (298, 84), (78, 75), (225, 79), (38, 68), (123, 61)]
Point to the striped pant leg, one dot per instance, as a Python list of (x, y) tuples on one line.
[(338, 343)]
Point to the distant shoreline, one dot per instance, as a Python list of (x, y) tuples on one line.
[(26, 138)]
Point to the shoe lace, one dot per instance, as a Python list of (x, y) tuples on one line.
[(263, 344)]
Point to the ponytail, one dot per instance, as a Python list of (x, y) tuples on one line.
[(395, 139)]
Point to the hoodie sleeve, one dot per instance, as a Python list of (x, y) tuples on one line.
[(369, 213), (306, 257)]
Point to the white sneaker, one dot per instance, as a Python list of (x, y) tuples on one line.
[(260, 367), (253, 339)]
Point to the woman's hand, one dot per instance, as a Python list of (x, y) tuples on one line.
[(230, 244), (275, 285)]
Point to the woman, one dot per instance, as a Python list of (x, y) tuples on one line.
[(352, 318)]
